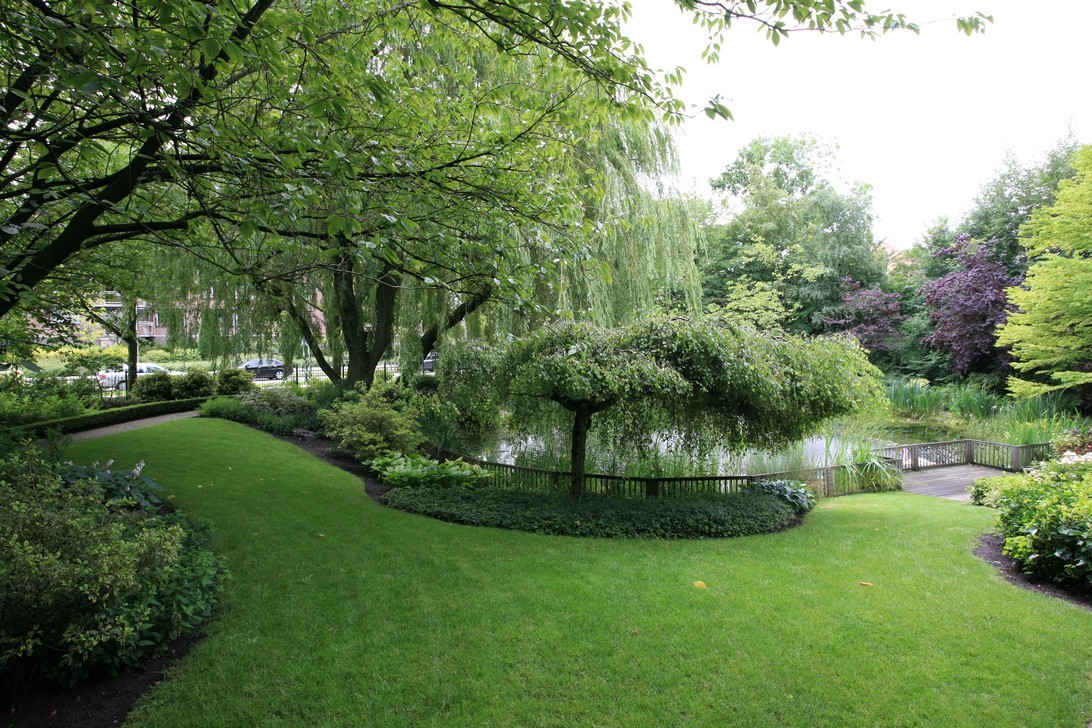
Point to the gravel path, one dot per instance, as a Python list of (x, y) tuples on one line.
[(134, 425)]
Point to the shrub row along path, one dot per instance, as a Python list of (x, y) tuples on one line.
[(133, 425), (950, 482)]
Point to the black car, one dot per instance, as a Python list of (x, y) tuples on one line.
[(264, 368), (429, 364)]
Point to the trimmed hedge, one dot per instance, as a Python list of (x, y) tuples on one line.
[(104, 418), (706, 516)]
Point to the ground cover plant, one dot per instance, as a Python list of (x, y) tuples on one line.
[(339, 608), (707, 516)]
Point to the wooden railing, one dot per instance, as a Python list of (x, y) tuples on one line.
[(966, 452), (825, 481)]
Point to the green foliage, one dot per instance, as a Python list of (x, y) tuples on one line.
[(795, 242), (154, 387), (24, 401), (229, 408), (417, 471), (1049, 335), (86, 584), (867, 475), (233, 381), (83, 361), (989, 491), (1077, 440), (128, 487), (715, 516), (795, 493), (1047, 522), (379, 422), (194, 383), (277, 410), (915, 398)]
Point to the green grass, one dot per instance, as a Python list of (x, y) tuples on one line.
[(343, 613)]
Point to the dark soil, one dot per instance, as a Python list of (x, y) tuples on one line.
[(106, 701), (99, 702), (989, 550)]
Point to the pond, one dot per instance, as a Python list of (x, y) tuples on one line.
[(844, 442)]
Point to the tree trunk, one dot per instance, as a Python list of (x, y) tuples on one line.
[(454, 316), (386, 295), (581, 425)]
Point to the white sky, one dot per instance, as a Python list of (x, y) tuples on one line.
[(925, 119)]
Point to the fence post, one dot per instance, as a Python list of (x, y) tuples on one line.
[(1016, 461), (968, 452), (913, 457), (652, 488)]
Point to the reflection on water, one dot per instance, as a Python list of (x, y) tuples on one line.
[(844, 443)]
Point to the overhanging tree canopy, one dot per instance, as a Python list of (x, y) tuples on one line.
[(109, 109)]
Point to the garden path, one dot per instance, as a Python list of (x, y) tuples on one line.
[(134, 425), (950, 482)]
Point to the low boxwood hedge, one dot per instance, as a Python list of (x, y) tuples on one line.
[(107, 417), (706, 516)]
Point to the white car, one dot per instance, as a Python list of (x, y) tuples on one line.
[(116, 379)]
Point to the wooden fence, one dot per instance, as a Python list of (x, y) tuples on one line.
[(966, 452), (825, 481)]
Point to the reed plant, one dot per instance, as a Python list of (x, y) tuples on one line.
[(915, 398)]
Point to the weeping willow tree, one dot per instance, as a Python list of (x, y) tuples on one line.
[(484, 200), (639, 240)]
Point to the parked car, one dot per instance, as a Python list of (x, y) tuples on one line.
[(264, 368), (117, 379), (428, 366)]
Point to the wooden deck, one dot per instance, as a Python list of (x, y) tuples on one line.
[(951, 482)]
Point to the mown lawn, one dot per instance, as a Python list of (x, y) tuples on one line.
[(343, 613)]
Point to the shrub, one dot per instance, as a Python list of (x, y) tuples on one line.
[(988, 491), (229, 408), (45, 398), (793, 492), (417, 471), (324, 394), (381, 421), (1047, 522), (233, 381), (154, 387), (1075, 439), (84, 584), (280, 401), (424, 384), (156, 356), (708, 516), (194, 383)]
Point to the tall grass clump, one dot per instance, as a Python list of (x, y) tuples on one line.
[(915, 398)]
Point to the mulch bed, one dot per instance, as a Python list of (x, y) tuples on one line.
[(105, 702), (989, 550)]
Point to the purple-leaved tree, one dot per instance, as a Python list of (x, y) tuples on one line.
[(967, 305), (869, 314)]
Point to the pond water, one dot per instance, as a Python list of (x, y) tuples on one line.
[(844, 442)]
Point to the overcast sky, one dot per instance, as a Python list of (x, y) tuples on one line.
[(925, 119)]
